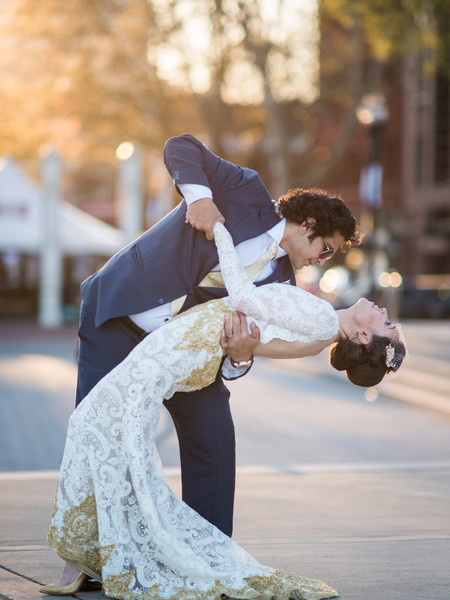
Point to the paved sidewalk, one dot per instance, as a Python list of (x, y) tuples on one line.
[(371, 531), (423, 380), (424, 377), (372, 534)]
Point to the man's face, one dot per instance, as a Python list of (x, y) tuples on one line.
[(304, 252)]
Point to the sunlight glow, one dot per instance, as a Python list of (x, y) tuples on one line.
[(354, 259), (334, 280), (191, 55), (371, 394), (243, 84), (392, 279), (124, 150)]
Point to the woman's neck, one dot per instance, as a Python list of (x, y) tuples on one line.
[(346, 323)]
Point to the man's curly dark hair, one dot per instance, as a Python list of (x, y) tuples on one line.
[(329, 211)]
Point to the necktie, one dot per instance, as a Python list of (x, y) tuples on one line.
[(215, 279), (254, 270)]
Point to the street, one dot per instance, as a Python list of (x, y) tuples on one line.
[(329, 484), (285, 417)]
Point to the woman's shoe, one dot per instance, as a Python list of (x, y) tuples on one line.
[(85, 569), (65, 590)]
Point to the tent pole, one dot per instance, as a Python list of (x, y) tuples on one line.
[(50, 288)]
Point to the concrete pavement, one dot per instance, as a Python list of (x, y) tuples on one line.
[(424, 378), (372, 534), (371, 531)]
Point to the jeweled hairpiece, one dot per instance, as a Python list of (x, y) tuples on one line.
[(396, 350), (390, 354)]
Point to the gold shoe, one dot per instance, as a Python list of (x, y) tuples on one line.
[(85, 569), (65, 590)]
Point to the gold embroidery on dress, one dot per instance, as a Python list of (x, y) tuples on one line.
[(119, 585), (204, 334), (77, 539), (203, 376), (55, 505), (284, 585), (105, 553), (278, 586)]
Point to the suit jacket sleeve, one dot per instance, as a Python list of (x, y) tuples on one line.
[(170, 259), (190, 161)]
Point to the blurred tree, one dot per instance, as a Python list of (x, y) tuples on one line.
[(250, 66), (277, 83), (274, 84), (76, 74)]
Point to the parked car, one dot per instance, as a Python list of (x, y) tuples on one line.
[(425, 297)]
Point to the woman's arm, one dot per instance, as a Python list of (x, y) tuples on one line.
[(303, 316), (277, 348), (239, 287)]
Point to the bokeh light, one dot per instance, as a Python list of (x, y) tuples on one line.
[(444, 291), (308, 276), (354, 259), (334, 280), (371, 394), (390, 279), (124, 150)]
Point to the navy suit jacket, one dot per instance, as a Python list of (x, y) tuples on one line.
[(170, 259)]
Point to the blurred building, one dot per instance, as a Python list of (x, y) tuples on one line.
[(425, 170), (415, 156), (408, 227), (85, 243)]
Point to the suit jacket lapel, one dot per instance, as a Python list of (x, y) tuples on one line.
[(284, 273)]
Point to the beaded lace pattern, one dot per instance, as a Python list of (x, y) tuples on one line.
[(114, 511)]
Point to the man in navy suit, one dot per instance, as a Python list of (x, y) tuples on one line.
[(173, 266)]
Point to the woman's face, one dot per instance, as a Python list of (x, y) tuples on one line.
[(372, 319)]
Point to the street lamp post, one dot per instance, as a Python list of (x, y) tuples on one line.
[(372, 112), (131, 190)]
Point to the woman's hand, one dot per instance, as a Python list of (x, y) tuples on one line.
[(237, 342), (203, 214)]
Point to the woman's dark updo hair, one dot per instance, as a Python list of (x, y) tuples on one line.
[(365, 364)]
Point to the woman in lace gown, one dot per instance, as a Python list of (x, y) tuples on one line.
[(115, 517)]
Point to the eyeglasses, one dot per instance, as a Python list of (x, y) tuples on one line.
[(327, 252)]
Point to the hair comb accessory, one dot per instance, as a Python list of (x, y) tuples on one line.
[(396, 350), (390, 355)]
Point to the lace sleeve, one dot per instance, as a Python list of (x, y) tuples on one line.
[(239, 286), (297, 315)]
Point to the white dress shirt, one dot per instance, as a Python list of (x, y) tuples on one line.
[(248, 252)]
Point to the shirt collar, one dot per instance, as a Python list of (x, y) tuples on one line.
[(277, 232)]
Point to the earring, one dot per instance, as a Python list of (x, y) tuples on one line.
[(354, 334)]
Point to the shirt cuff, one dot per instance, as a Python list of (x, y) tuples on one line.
[(229, 372), (194, 191)]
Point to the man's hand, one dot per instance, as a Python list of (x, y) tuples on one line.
[(203, 214), (236, 341)]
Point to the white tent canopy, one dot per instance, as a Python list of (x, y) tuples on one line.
[(22, 213)]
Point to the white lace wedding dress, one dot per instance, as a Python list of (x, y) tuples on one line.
[(114, 511)]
